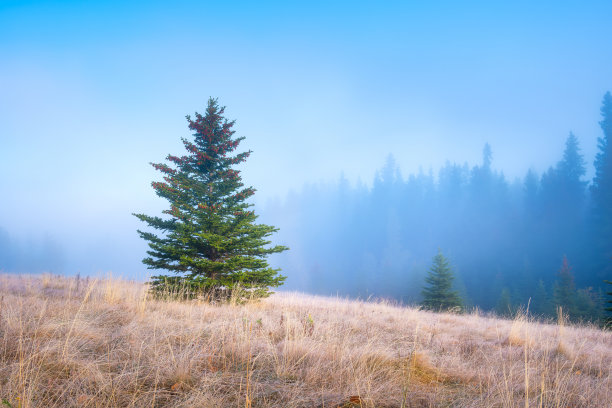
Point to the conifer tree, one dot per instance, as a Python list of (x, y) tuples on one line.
[(563, 197), (571, 168), (438, 294), (562, 186), (601, 193), (608, 318), (530, 191), (482, 178), (570, 188), (209, 239)]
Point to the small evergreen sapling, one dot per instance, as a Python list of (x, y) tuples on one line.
[(438, 294), (209, 239)]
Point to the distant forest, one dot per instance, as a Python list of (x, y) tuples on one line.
[(506, 241)]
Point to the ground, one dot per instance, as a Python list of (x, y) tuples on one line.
[(106, 343)]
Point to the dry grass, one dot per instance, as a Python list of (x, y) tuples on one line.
[(102, 343)]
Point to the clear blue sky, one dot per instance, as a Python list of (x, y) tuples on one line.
[(90, 93)]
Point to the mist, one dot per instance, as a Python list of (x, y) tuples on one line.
[(367, 125), (378, 239)]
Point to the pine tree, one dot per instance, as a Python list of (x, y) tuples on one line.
[(608, 318), (487, 156), (530, 200), (482, 178), (570, 188), (438, 294), (565, 290), (571, 168), (601, 192), (563, 189), (209, 239), (563, 198)]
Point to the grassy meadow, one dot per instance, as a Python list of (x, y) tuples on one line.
[(67, 342)]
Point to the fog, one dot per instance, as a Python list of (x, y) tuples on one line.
[(367, 125), (351, 239)]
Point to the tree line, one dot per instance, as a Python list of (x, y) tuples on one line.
[(545, 239)]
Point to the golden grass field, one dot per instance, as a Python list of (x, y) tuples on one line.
[(105, 343)]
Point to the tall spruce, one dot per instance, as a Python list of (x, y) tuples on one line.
[(208, 238), (601, 193), (437, 293), (531, 185), (570, 171), (563, 197), (572, 166), (563, 189), (608, 308)]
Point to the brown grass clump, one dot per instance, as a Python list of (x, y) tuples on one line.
[(105, 343)]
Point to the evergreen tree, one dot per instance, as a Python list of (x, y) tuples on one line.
[(482, 179), (572, 168), (570, 189), (438, 294), (530, 200), (209, 239), (562, 186), (601, 193), (565, 290), (562, 199), (608, 319), (487, 156)]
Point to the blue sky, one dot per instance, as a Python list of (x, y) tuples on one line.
[(90, 93)]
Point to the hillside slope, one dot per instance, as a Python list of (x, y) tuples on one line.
[(103, 343)]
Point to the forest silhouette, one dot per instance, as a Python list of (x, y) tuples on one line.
[(505, 239)]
